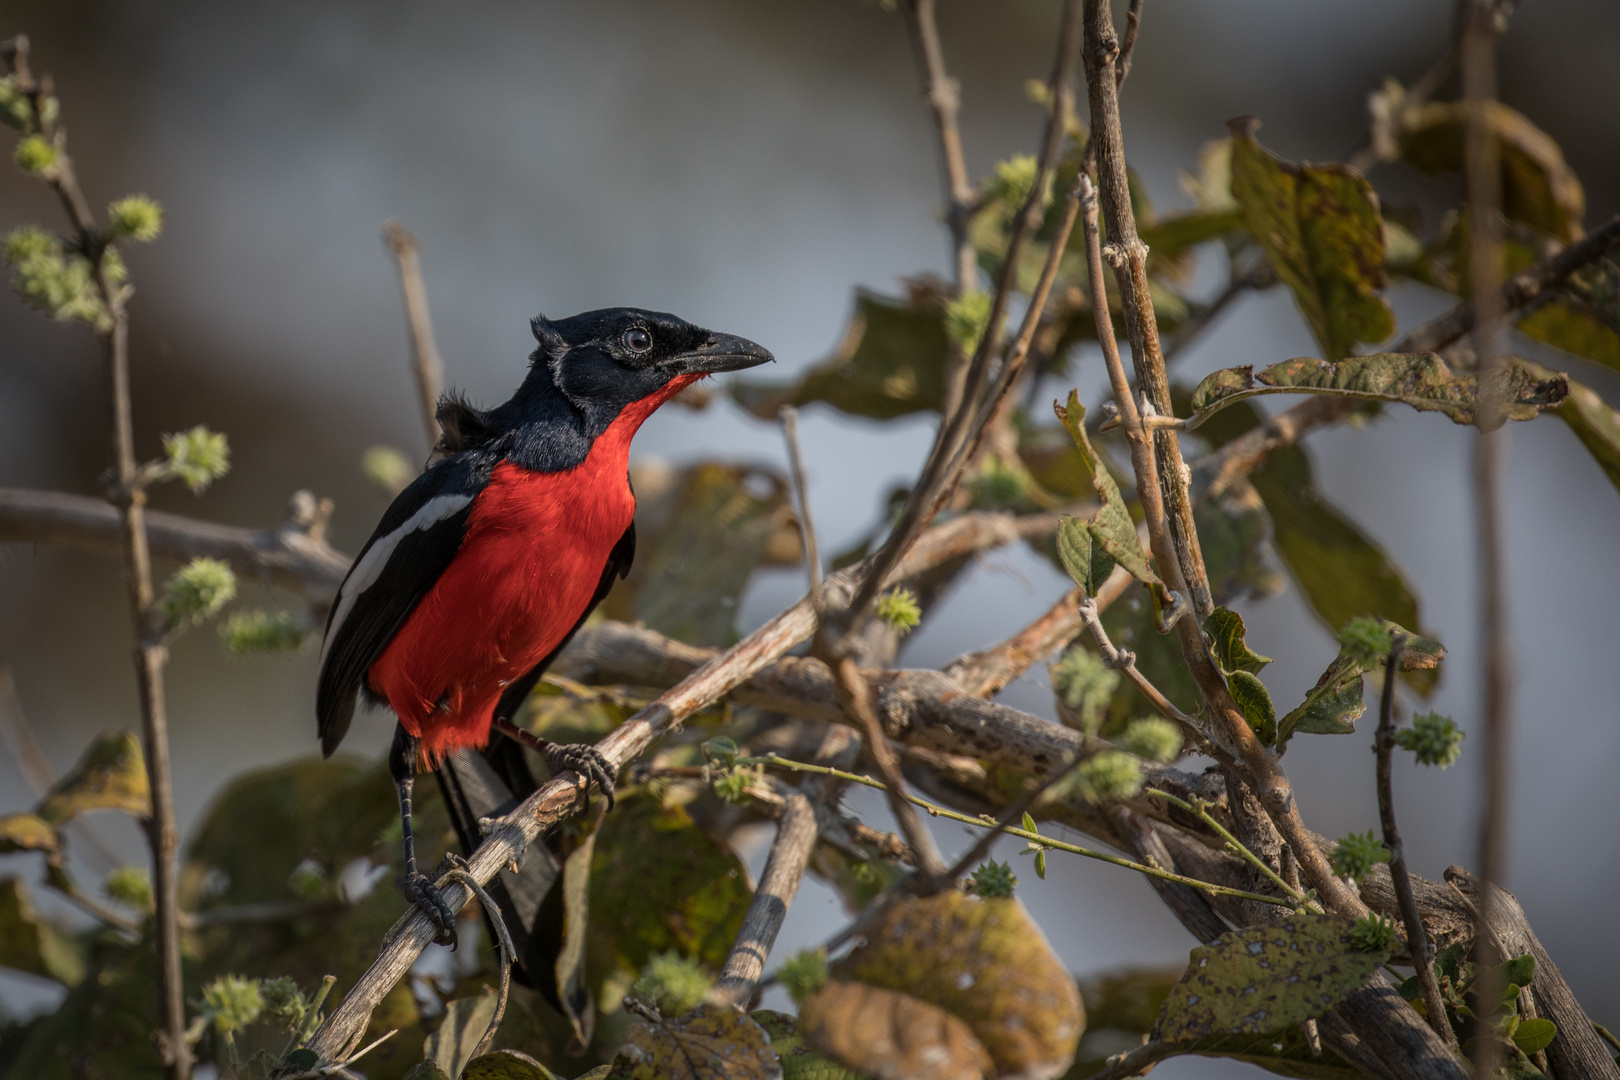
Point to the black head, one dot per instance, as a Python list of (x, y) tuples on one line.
[(589, 367), (609, 358)]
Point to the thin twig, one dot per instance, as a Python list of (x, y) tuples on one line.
[(1482, 185), (1133, 25), (812, 553), (1125, 663), (1045, 841), (425, 362), (1138, 1061), (129, 497), (508, 954), (1417, 939), (1233, 844)]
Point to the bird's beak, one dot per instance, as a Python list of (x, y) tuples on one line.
[(722, 352)]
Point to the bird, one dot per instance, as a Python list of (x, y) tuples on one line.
[(485, 565)]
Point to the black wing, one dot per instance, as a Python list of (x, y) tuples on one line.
[(413, 543)]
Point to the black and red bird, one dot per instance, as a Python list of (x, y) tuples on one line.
[(483, 567)]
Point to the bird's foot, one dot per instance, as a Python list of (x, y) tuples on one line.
[(425, 895), (587, 761)]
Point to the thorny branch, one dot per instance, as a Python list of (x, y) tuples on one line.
[(128, 497)]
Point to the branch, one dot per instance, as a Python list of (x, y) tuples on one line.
[(293, 555), (151, 655), (812, 551), (1217, 472), (1417, 941), (425, 362)]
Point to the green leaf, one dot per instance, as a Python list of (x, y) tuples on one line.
[(1538, 187), (1533, 1035), (1566, 326), (1226, 631), (799, 1060), (1319, 226), (1255, 702), (1087, 563), (111, 775), (890, 1033), (506, 1065), (29, 943), (572, 992), (699, 542), (661, 884), (1520, 971), (1111, 526), (1167, 236), (426, 1070), (1265, 979), (1334, 704), (985, 962), (712, 1042), (890, 363), (1421, 380), (27, 832), (1596, 425), (465, 1021)]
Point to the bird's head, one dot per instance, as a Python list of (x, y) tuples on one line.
[(616, 356)]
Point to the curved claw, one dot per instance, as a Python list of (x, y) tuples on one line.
[(425, 895), (588, 762)]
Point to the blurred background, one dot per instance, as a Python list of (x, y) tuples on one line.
[(746, 166)]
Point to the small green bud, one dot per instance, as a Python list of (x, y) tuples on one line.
[(1153, 738), (1357, 853), (966, 316), (1373, 934), (1000, 485), (1432, 738), (130, 886), (247, 633), (1110, 774), (735, 785), (196, 592), (387, 468), (197, 457), (15, 111), (1012, 181), (135, 217), (899, 609), (721, 751), (1367, 640), (674, 983), (804, 973), (35, 155), (284, 1001), (48, 280), (231, 1003), (993, 880), (1085, 685)]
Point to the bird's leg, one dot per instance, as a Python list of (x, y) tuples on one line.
[(421, 890), (581, 758)]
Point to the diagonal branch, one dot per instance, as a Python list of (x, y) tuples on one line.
[(425, 362)]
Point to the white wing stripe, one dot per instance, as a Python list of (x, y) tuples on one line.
[(370, 567)]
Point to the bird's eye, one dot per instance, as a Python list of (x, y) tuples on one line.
[(637, 340)]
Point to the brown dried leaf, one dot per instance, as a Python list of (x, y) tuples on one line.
[(892, 1035), (986, 962), (712, 1042)]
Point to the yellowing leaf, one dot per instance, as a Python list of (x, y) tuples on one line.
[(1538, 187), (891, 362), (1320, 227), (712, 1042), (1567, 327), (27, 832), (1265, 979), (987, 963), (1596, 425), (1111, 526), (1421, 380), (891, 1034), (29, 943), (506, 1065), (110, 776)]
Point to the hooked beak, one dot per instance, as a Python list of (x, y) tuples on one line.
[(722, 352)]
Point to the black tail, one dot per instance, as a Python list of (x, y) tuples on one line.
[(490, 783)]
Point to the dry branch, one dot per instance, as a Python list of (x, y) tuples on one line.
[(425, 362)]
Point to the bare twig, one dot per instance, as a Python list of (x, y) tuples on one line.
[(812, 553), (778, 883), (1417, 940), (1138, 1061), (129, 498), (1125, 663), (1482, 184), (1133, 25), (293, 555), (1220, 470), (508, 953), (425, 362)]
